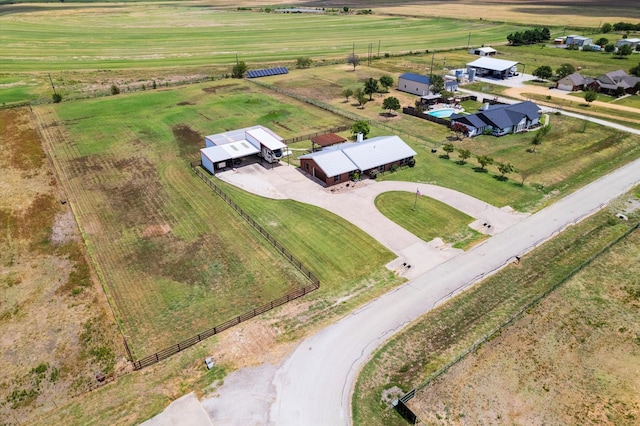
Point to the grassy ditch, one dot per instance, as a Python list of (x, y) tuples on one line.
[(438, 337)]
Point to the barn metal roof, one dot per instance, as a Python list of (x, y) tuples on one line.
[(267, 139), (375, 152), (415, 77), (332, 162), (229, 151), (492, 64)]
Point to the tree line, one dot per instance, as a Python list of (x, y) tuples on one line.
[(533, 36)]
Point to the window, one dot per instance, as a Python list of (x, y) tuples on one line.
[(306, 166), (381, 168), (336, 178), (404, 161)]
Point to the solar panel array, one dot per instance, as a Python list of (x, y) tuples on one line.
[(267, 72)]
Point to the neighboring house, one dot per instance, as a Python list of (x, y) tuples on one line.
[(339, 163), (500, 119), (633, 42), (615, 83), (225, 149), (414, 83), (573, 82), (577, 40), (483, 51), (491, 67)]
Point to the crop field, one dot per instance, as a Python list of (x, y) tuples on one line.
[(554, 362), (56, 330), (174, 258), (169, 35)]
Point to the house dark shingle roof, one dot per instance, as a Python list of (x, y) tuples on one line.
[(500, 116)]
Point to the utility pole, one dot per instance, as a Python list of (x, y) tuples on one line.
[(378, 48), (52, 86), (469, 41), (433, 56)]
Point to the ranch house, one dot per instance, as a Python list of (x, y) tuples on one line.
[(500, 119), (340, 163)]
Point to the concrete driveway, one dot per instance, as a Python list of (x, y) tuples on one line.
[(356, 203)]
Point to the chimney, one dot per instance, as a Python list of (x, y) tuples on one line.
[(486, 106), (359, 137)]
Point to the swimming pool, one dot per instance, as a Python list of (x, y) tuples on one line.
[(443, 112)]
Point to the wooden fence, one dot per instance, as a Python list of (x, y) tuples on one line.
[(417, 113), (311, 135), (315, 284)]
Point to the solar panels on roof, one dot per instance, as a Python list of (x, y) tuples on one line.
[(267, 72)]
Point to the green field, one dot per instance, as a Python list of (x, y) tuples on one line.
[(175, 34), (174, 258)]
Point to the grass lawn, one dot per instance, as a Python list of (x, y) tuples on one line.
[(430, 219), (169, 250), (430, 343), (630, 101)]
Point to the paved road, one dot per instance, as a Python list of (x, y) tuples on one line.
[(314, 384)]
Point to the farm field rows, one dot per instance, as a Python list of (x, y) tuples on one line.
[(174, 258), (166, 35)]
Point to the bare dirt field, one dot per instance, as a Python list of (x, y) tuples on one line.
[(573, 359), (56, 330)]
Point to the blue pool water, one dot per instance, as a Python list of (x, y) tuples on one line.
[(442, 112)]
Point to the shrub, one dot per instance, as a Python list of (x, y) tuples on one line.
[(412, 162), (115, 90), (57, 98), (373, 174)]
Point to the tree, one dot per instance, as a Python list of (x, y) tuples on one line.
[(448, 148), (353, 60), (345, 9), (347, 93), (391, 104), (602, 41), (540, 134), (371, 87), (565, 69), (239, 69), (590, 95), (464, 154), (459, 129), (115, 90), (303, 62), (610, 48), (360, 127), (624, 51), (505, 168), (543, 72), (437, 84), (635, 70), (484, 161), (386, 81), (57, 98), (606, 28), (360, 96)]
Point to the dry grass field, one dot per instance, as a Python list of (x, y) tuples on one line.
[(573, 359), (56, 330)]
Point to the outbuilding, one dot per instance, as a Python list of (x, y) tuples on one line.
[(223, 150), (483, 51), (493, 68), (414, 83)]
